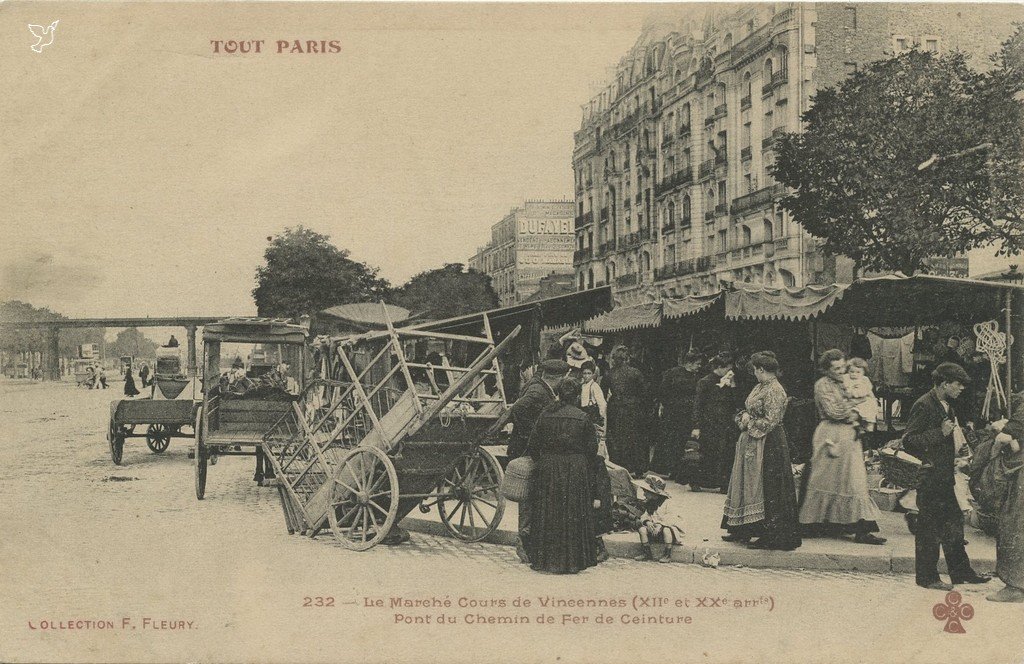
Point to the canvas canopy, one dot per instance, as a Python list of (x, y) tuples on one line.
[(254, 330), (649, 314)]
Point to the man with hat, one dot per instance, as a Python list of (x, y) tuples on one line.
[(576, 356), (538, 395), (933, 435)]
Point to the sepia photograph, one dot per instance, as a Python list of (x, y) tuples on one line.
[(512, 332)]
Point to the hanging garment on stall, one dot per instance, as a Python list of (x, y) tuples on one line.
[(892, 360)]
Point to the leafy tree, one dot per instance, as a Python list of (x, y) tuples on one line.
[(304, 273), (447, 291), (856, 171), (130, 341)]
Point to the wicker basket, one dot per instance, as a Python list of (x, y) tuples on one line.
[(900, 472), (515, 485)]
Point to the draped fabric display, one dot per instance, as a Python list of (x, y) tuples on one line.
[(649, 314)]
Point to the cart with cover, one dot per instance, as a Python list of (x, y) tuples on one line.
[(396, 423), (169, 411), (253, 372)]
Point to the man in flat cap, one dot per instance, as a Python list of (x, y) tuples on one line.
[(933, 436), (538, 395)]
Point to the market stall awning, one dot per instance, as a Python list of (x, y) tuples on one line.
[(687, 306), (621, 319), (923, 299), (781, 303)]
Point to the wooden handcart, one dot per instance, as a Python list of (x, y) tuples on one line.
[(388, 431)]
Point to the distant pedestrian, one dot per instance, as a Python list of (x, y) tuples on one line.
[(129, 383), (172, 342), (101, 377), (144, 375)]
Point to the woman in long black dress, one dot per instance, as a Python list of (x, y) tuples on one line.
[(562, 488), (129, 384), (628, 414)]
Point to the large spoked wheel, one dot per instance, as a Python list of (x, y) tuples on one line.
[(115, 438), (470, 504), (201, 456), (158, 437), (364, 498)]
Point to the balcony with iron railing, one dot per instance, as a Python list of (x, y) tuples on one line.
[(745, 103), (585, 219), (721, 209), (665, 272), (629, 240), (756, 199), (684, 129), (604, 214), (668, 139), (582, 255), (745, 153), (709, 215), (668, 227), (677, 179), (778, 79), (707, 168), (705, 263), (606, 248), (721, 110), (626, 280)]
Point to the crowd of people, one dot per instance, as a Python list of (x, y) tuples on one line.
[(720, 428)]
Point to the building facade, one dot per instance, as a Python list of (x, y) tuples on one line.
[(672, 161), (531, 243)]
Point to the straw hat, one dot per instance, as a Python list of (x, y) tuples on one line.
[(576, 355), (652, 484)]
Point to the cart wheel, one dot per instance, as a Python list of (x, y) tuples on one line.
[(201, 456), (364, 498), (115, 437), (472, 485), (158, 437)]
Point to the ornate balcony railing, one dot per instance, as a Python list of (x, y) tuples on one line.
[(756, 199), (707, 168), (582, 255), (684, 130), (705, 263), (669, 227), (721, 209), (709, 215), (584, 219)]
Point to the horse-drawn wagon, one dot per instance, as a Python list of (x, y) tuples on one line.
[(394, 425), (253, 372)]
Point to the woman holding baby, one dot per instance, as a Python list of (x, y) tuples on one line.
[(835, 499)]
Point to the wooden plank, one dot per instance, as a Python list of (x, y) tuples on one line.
[(405, 332)]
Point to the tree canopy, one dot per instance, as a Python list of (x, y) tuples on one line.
[(130, 341), (447, 291), (17, 341), (855, 167), (303, 272)]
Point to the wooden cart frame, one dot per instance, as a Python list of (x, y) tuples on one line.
[(368, 444)]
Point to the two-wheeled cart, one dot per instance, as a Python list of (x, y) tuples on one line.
[(388, 431)]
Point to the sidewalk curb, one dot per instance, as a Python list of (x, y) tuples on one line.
[(735, 555)]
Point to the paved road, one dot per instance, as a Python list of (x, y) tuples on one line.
[(89, 544)]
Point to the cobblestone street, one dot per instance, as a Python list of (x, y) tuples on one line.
[(84, 540)]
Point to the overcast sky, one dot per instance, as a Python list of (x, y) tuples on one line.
[(140, 173)]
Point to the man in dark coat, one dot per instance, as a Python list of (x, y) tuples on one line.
[(538, 394), (929, 437), (714, 406), (675, 396)]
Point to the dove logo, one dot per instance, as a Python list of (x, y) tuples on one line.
[(44, 36)]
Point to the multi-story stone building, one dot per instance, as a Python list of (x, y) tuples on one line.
[(672, 162), (532, 242)]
